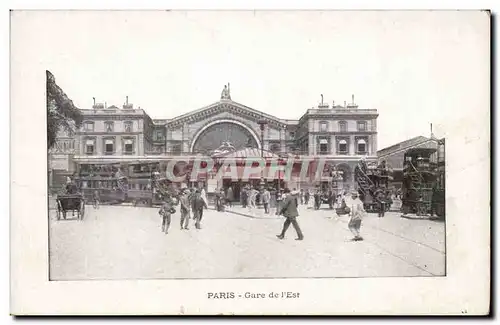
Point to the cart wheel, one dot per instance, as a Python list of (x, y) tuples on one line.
[(58, 214)]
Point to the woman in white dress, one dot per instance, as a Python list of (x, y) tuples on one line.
[(310, 204), (203, 195)]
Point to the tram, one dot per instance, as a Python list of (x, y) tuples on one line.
[(422, 192), (372, 180)]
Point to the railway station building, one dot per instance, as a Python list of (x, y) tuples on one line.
[(339, 134)]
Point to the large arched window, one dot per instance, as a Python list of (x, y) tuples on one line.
[(222, 133)]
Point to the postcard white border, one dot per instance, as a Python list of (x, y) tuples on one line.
[(465, 289)]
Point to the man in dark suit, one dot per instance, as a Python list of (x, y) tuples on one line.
[(289, 210), (198, 204)]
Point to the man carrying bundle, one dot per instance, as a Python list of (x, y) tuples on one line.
[(166, 211)]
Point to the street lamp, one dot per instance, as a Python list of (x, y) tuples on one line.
[(262, 123)]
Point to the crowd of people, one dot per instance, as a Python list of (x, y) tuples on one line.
[(286, 203), (191, 203)]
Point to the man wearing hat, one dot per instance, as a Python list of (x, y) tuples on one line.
[(197, 205), (185, 208), (265, 198), (289, 210), (357, 213), (166, 211)]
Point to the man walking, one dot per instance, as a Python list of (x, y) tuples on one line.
[(244, 197), (317, 200), (95, 197), (251, 199), (266, 198), (357, 212), (230, 197), (381, 201), (198, 204), (166, 211), (185, 209), (289, 211)]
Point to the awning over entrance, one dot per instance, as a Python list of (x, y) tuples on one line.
[(248, 153)]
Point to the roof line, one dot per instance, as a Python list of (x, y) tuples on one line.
[(403, 149)]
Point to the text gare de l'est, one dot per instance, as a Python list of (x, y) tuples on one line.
[(254, 295), (244, 169)]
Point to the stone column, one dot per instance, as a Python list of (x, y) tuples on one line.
[(283, 139), (118, 145), (311, 145), (140, 145), (99, 150), (266, 137), (352, 145), (333, 145)]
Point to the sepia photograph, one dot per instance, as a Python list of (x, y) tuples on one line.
[(245, 145)]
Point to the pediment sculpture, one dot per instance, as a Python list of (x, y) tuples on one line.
[(226, 92)]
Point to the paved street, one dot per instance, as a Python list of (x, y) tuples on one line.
[(122, 242)]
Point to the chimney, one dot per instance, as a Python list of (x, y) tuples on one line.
[(353, 99), (126, 101), (345, 104), (105, 105), (93, 98)]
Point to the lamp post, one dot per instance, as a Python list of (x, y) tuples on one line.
[(262, 123)]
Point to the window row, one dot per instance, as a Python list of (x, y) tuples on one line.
[(109, 126), (110, 147), (361, 126), (342, 146)]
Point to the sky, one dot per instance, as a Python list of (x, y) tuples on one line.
[(415, 68)]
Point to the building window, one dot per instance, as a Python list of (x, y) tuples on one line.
[(128, 146), (343, 126), (176, 149), (342, 146), (109, 126), (109, 146), (88, 126), (158, 135), (361, 146), (89, 147), (128, 126), (323, 126), (362, 126), (323, 146)]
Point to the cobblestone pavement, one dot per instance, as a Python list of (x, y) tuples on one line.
[(122, 242)]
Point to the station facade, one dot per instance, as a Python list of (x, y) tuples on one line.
[(338, 134)]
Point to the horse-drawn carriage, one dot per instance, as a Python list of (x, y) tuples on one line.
[(74, 203)]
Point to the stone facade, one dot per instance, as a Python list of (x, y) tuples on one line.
[(341, 134)]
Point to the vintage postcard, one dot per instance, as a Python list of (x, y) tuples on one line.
[(250, 162)]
